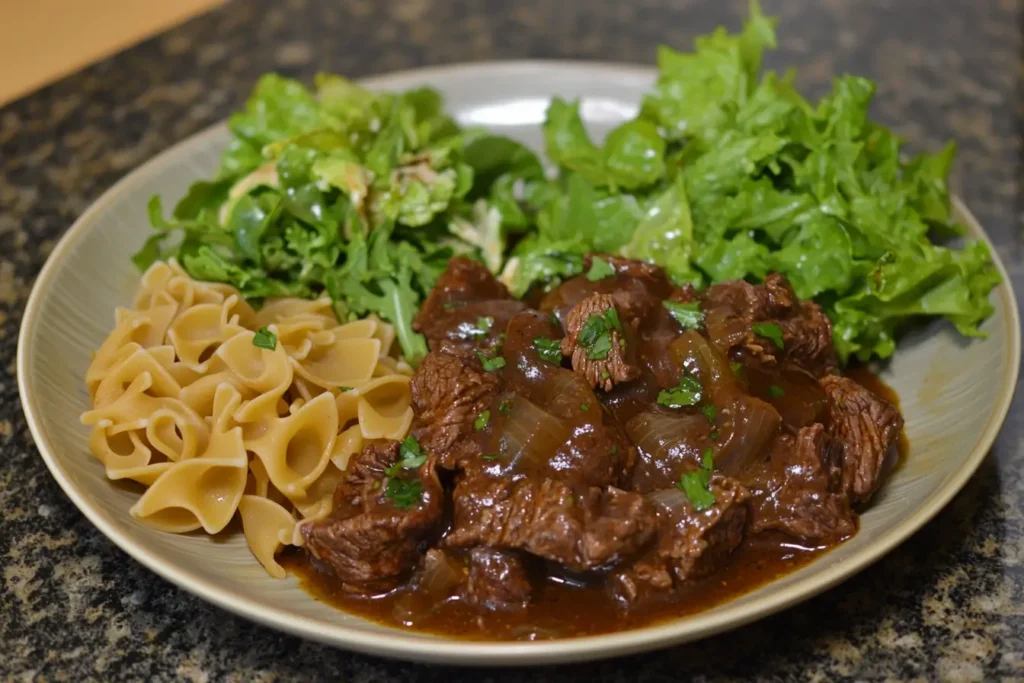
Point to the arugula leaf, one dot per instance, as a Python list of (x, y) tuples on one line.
[(599, 270)]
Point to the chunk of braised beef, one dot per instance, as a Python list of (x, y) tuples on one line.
[(583, 528), (691, 543), (868, 428), (478, 325), (637, 287), (449, 392), (463, 282), (498, 580), (797, 489), (372, 541), (609, 360), (733, 310)]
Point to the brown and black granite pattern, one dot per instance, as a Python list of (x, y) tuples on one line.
[(947, 605)]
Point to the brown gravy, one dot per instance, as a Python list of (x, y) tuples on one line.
[(563, 611), (566, 611)]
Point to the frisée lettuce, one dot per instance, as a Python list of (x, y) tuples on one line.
[(726, 172)]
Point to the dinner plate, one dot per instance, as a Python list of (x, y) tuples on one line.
[(954, 392)]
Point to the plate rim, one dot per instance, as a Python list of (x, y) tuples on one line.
[(438, 649)]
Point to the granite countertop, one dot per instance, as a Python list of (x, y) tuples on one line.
[(948, 604)]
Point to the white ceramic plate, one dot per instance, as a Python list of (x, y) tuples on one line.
[(954, 393)]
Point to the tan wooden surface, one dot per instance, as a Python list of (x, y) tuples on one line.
[(42, 40)]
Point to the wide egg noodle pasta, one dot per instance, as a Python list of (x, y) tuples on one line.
[(186, 405)]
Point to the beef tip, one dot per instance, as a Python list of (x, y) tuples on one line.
[(597, 343), (371, 542), (448, 393), (498, 580), (867, 427), (640, 270), (467, 309), (583, 529), (798, 489), (464, 281), (691, 544), (638, 288), (732, 309), (477, 325)]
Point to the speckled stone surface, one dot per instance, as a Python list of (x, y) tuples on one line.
[(947, 605)]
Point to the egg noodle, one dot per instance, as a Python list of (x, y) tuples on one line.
[(218, 409)]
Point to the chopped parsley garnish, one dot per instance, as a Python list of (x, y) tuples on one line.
[(599, 270), (452, 305), (344, 389), (775, 391), (709, 412), (410, 457), (477, 330), (265, 339), (769, 331), (376, 485), (688, 393), (548, 349), (615, 449), (490, 457), (482, 420), (595, 336), (688, 315), (490, 364), (584, 406), (505, 407), (736, 367), (404, 494), (714, 435), (604, 374), (555, 320), (695, 484)]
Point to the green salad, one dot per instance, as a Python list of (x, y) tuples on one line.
[(727, 172)]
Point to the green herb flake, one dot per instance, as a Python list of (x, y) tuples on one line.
[(688, 393), (376, 485), (599, 270), (505, 407), (548, 349), (688, 314), (452, 305), (410, 457), (695, 484), (775, 391), (404, 494), (770, 331), (344, 389), (604, 374), (584, 406), (615, 450), (482, 420), (265, 339), (490, 364), (595, 335), (490, 456), (714, 435), (709, 412)]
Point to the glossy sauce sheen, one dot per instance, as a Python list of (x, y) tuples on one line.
[(561, 610)]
